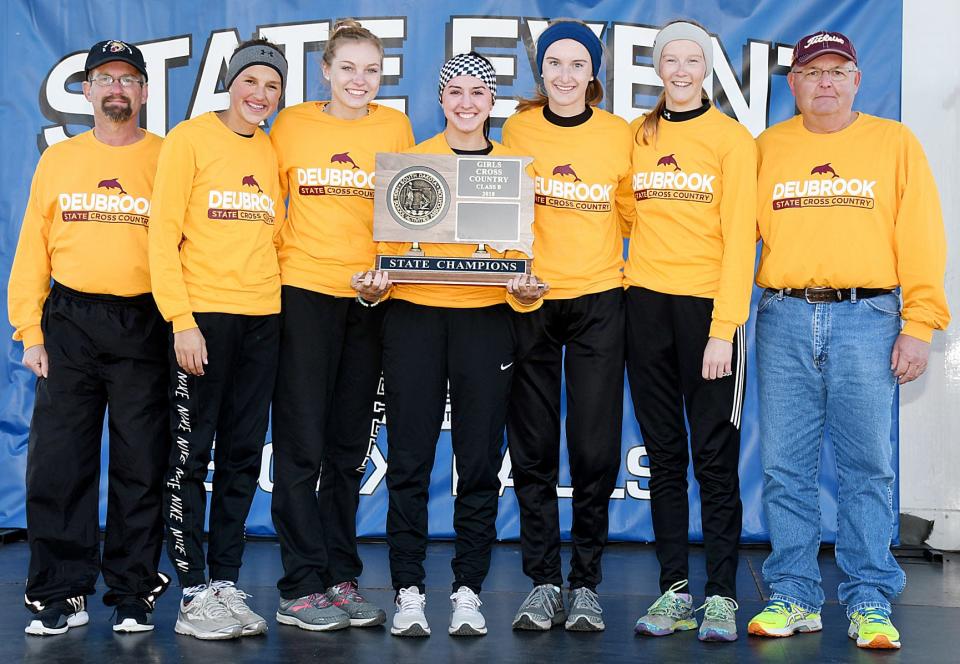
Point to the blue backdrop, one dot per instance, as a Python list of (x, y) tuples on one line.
[(186, 42)]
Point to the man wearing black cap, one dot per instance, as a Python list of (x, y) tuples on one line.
[(94, 339), (853, 265)]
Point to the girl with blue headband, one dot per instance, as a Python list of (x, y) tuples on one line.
[(582, 165)]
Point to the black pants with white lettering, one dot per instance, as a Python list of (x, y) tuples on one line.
[(666, 336), (423, 348), (230, 401), (590, 329), (323, 417), (104, 351)]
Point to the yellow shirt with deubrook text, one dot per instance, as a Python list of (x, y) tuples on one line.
[(85, 226), (695, 189), (216, 212), (582, 198), (327, 170), (857, 208)]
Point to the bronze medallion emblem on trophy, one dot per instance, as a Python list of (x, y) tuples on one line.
[(482, 201)]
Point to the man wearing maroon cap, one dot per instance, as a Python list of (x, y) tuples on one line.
[(852, 266), (94, 339)]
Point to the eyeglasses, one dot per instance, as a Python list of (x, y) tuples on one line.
[(813, 74), (106, 80)]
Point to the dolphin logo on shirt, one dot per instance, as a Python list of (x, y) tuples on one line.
[(823, 169), (343, 158), (669, 160), (250, 181), (111, 184), (566, 169)]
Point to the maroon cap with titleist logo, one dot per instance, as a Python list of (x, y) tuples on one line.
[(822, 43)]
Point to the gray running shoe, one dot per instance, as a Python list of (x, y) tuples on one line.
[(585, 612), (541, 610), (668, 614), (206, 617), (348, 599), (719, 619), (312, 612), (235, 600)]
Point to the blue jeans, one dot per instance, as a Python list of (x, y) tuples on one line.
[(827, 367)]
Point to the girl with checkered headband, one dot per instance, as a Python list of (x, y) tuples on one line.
[(468, 76), (461, 335)]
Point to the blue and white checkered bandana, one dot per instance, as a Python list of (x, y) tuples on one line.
[(468, 64)]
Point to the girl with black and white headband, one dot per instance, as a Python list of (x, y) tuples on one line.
[(432, 335)]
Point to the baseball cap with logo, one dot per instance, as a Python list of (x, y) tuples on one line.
[(113, 50), (822, 43)]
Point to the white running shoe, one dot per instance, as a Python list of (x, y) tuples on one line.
[(206, 617), (409, 619), (466, 619), (235, 600)]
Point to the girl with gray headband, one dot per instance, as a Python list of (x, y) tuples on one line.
[(688, 281), (216, 207)]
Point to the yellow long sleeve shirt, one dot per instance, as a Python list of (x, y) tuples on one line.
[(695, 189), (857, 208), (85, 226), (436, 295), (582, 190), (327, 170), (216, 210)]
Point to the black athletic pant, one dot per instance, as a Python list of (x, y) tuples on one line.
[(666, 336), (423, 348), (322, 418), (103, 350), (590, 328), (230, 401)]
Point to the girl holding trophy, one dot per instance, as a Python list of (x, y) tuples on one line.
[(432, 335)]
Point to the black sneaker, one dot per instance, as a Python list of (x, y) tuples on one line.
[(57, 617), (133, 616)]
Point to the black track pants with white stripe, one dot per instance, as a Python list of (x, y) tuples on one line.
[(666, 336), (230, 401), (104, 351)]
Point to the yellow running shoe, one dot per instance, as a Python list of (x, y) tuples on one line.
[(872, 629), (782, 618)]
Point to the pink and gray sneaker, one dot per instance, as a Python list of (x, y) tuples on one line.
[(313, 612), (348, 599)]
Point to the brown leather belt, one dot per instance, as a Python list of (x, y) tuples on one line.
[(819, 295)]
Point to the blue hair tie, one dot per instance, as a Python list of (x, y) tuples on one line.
[(570, 30)]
